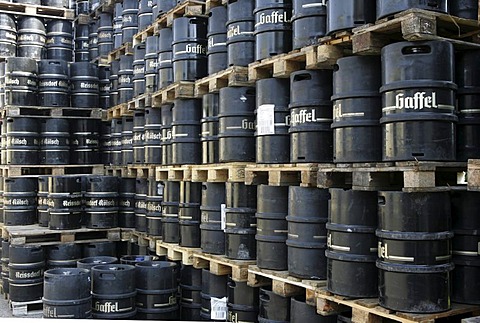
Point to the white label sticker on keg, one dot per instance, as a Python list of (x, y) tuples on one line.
[(266, 120), (218, 308), (223, 216)]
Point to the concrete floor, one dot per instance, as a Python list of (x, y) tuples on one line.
[(4, 307), (6, 312)]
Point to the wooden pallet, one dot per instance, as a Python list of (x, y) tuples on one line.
[(409, 176), (52, 112), (176, 253), (342, 38), (311, 57), (101, 60), (144, 240), (82, 19), (105, 6), (126, 234), (118, 111), (214, 3), (283, 284), (415, 25), (219, 173), (24, 9), (142, 171), (174, 173), (141, 36), (125, 49), (368, 311), (232, 76), (177, 90), (283, 174), (140, 102), (118, 171), (26, 308), (220, 265), (32, 170), (187, 8), (35, 234), (473, 174)]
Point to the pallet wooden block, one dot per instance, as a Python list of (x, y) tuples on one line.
[(177, 90), (174, 173), (220, 265), (82, 19), (219, 173), (415, 25), (56, 112), (283, 174), (283, 284), (368, 311), (127, 234), (26, 308), (20, 170), (232, 76), (473, 174), (214, 3), (414, 176), (34, 234)]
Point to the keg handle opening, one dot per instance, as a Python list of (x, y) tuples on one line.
[(381, 200), (107, 276), (414, 155), (413, 50), (302, 77), (196, 22), (433, 4), (336, 67), (265, 298)]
